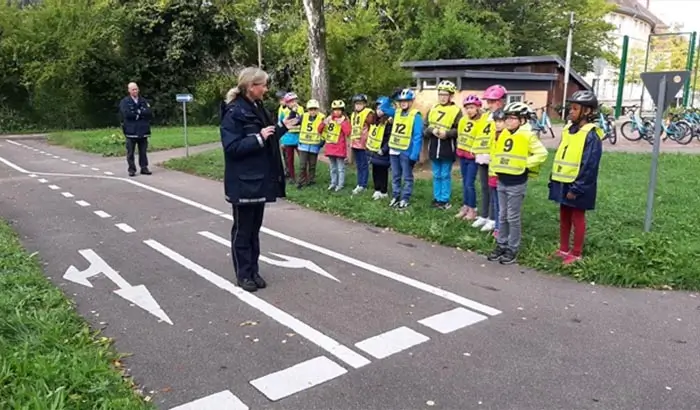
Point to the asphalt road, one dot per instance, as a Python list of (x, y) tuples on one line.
[(353, 318)]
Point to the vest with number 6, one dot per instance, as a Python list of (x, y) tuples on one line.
[(376, 135), (297, 128), (309, 129), (567, 161), (443, 116), (402, 130), (332, 132), (510, 153), (357, 120)]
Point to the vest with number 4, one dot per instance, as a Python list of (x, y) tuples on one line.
[(309, 129), (357, 120), (402, 130), (376, 135), (332, 132), (443, 116), (475, 135), (510, 153), (297, 128), (567, 161)]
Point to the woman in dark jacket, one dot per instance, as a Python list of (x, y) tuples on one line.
[(253, 173)]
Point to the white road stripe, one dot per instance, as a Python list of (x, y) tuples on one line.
[(13, 142), (42, 180), (82, 203), (391, 342), (109, 173), (32, 175), (64, 159), (224, 400), (73, 162), (54, 187), (323, 341), (67, 194), (103, 214), (297, 378), (56, 156), (452, 320), (126, 228), (83, 165), (95, 169)]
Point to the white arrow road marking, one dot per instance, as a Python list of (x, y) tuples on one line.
[(288, 262), (138, 295)]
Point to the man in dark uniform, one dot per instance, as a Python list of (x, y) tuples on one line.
[(136, 124)]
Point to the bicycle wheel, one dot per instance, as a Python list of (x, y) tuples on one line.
[(684, 133), (630, 131), (612, 135)]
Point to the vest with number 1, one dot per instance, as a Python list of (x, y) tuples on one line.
[(376, 135), (309, 129), (297, 128), (511, 152), (402, 130), (443, 116), (567, 161), (357, 120)]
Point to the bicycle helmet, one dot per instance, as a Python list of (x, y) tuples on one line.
[(280, 94), (499, 115), (312, 104), (385, 104), (517, 108), (472, 99), (338, 105), (381, 100), (406, 95), (495, 92), (289, 97), (447, 86), (585, 98), (359, 98)]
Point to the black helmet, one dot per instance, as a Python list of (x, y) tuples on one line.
[(359, 98), (280, 94), (585, 98), (499, 115)]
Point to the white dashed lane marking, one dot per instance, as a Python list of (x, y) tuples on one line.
[(103, 214), (82, 203), (126, 228), (67, 194), (54, 187)]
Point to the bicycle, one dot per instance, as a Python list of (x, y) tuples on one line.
[(542, 124), (607, 124)]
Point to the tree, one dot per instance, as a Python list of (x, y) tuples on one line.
[(317, 50)]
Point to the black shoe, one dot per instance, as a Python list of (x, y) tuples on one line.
[(248, 285), (508, 257), (300, 185), (496, 254), (145, 171), (132, 173), (259, 281)]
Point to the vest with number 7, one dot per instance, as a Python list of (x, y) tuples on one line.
[(510, 153), (402, 130), (443, 116), (567, 161), (309, 129)]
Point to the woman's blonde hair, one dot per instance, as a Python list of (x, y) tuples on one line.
[(247, 77)]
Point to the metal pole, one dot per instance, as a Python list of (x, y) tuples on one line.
[(689, 67), (660, 103), (646, 64), (184, 121), (621, 79), (259, 50), (567, 67)]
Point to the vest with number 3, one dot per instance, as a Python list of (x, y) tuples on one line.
[(475, 136), (567, 161), (309, 129), (357, 120), (402, 130), (376, 135), (510, 153)]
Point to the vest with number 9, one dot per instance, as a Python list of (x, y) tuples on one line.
[(332, 132), (510, 153), (357, 119), (309, 129), (567, 161), (402, 129), (376, 135)]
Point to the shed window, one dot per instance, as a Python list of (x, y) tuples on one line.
[(428, 83), (516, 97)]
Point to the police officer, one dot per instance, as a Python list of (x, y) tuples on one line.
[(136, 124)]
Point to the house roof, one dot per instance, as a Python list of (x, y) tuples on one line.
[(437, 64), (632, 8), (489, 75)]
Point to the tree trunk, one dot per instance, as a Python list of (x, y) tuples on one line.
[(317, 51)]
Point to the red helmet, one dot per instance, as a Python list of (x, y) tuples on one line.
[(472, 99), (495, 92)]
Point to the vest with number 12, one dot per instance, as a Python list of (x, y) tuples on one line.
[(510, 153), (567, 161), (357, 119), (402, 130), (309, 129)]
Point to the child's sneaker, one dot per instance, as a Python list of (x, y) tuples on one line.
[(382, 196), (488, 226), (471, 215), (331, 187), (445, 206), (338, 188), (375, 195), (496, 254), (559, 254), (462, 212), (479, 222), (357, 190), (403, 205), (508, 258), (571, 258), (394, 202)]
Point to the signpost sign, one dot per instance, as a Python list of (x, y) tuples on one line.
[(184, 99), (663, 87)]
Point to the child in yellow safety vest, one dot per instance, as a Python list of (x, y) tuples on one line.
[(574, 180), (499, 119), (335, 129), (310, 143), (517, 155), (360, 120), (378, 147), (404, 148), (474, 138)]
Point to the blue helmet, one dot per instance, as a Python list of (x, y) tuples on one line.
[(385, 104), (406, 95)]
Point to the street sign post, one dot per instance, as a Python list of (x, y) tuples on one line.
[(663, 87), (184, 99)]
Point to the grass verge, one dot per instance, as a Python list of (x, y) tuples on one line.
[(49, 358), (617, 252), (110, 141)]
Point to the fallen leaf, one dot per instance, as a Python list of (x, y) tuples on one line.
[(166, 389), (248, 323), (290, 334)]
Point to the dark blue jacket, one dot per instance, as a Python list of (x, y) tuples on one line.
[(253, 171), (381, 158), (136, 117), (585, 187)]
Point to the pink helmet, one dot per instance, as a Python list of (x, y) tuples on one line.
[(472, 99), (495, 92)]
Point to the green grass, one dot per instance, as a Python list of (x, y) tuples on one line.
[(49, 358), (110, 141), (617, 252)]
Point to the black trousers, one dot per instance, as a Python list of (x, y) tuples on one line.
[(131, 145), (245, 239), (380, 177)]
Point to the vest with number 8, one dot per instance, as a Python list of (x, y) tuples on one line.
[(510, 153), (376, 135), (401, 131), (567, 161), (309, 129), (332, 132)]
